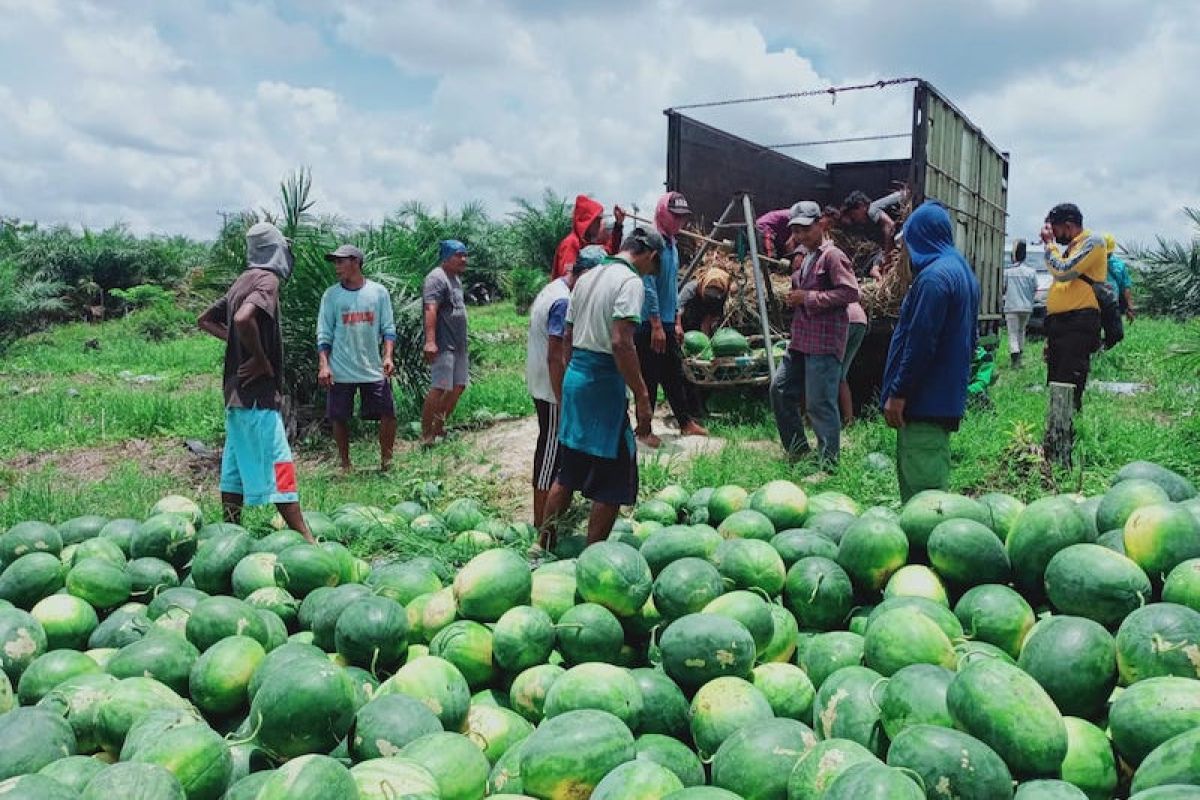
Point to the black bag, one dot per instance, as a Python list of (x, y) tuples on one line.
[(1110, 311)]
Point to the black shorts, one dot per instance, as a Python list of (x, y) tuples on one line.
[(377, 402), (545, 457), (613, 481)]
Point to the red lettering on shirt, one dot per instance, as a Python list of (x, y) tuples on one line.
[(358, 317)]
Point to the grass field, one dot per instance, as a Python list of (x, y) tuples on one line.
[(83, 433)]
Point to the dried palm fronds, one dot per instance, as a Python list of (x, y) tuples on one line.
[(882, 298), (741, 310)]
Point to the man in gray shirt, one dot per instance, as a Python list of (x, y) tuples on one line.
[(445, 339), (1020, 286)]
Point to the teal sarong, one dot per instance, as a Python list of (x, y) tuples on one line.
[(594, 413)]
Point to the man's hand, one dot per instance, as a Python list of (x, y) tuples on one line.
[(795, 298), (893, 412), (1129, 313), (678, 332), (253, 369), (325, 376), (644, 414), (619, 215), (389, 368), (658, 337), (1047, 234), (431, 352)]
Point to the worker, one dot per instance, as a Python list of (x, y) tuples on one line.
[(857, 331), (1119, 280), (1020, 286), (702, 301), (597, 450), (445, 323), (1072, 309), (587, 227), (545, 363), (774, 231), (660, 335), (924, 393)]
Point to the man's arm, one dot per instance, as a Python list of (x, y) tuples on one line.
[(1069, 268), (625, 354), (387, 328), (431, 348), (618, 231), (844, 290), (325, 329), (658, 337), (245, 321), (556, 362), (212, 321)]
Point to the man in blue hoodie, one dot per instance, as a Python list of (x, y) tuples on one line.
[(929, 361)]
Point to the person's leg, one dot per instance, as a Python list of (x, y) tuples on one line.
[(449, 403), (787, 393), (294, 518), (922, 458), (460, 372), (231, 507), (600, 521), (649, 362), (675, 388), (232, 489), (269, 471), (543, 477), (854, 340), (610, 484), (339, 407), (822, 374), (341, 436), (430, 410), (378, 404), (1012, 321)]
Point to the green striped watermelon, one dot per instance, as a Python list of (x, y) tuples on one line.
[(722, 706), (756, 761), (1082, 689), (1089, 763), (700, 647), (819, 593), (961, 765), (567, 756), (601, 687)]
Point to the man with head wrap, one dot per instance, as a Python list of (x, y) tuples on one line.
[(924, 390), (256, 466), (445, 339)]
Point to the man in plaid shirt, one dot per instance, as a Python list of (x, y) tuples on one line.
[(806, 380)]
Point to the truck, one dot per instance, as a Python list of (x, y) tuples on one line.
[(950, 160)]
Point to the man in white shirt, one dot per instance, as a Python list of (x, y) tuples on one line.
[(355, 317), (545, 364)]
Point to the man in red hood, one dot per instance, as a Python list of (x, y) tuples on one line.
[(587, 228)]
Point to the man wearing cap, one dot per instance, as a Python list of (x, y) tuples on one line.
[(545, 364), (256, 466), (661, 332), (597, 451), (807, 378), (445, 339), (587, 227), (355, 316), (1072, 311)]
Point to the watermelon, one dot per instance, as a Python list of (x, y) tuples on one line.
[(303, 710), (602, 687), (22, 639), (686, 586), (672, 754), (750, 564), (1042, 529), (382, 727), (458, 766), (495, 730), (325, 614), (214, 618), (674, 494), (727, 342), (504, 780), (429, 526), (391, 778), (403, 581), (372, 632), (1082, 689), (722, 706), (316, 776), (527, 695), (30, 578), (438, 612), (148, 576), (675, 542), (100, 582), (220, 677), (1008, 710), (1089, 507), (826, 653), (303, 568), (698, 648), (747, 524), (78, 699), (967, 553), (1159, 537), (278, 601), (27, 537), (832, 501), (1175, 761), (1177, 487), (903, 636), (126, 702), (435, 682), (106, 549), (725, 501), (823, 764), (915, 695), (73, 772), (1158, 640), (655, 510), (197, 756), (870, 551), (797, 543), (279, 541), (168, 659), (925, 510), (1003, 510), (214, 529), (50, 669), (756, 760), (695, 343), (1048, 790), (1089, 763), (167, 536), (787, 688), (867, 781), (1152, 711), (818, 592), (749, 609), (80, 529), (67, 621), (845, 708), (279, 661), (1182, 585), (567, 756), (916, 580), (183, 506), (784, 503), (831, 524), (784, 634), (135, 780), (490, 584), (468, 646), (637, 779), (1091, 581), (997, 615), (615, 576), (961, 765), (1124, 498), (1176, 791), (589, 632)]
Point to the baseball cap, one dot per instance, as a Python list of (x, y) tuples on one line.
[(678, 204), (450, 247), (345, 251), (805, 213), (649, 238)]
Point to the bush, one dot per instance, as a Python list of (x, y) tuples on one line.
[(1167, 274), (522, 284)]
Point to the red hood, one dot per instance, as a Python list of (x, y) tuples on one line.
[(587, 211)]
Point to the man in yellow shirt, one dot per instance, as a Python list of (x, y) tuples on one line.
[(1072, 311)]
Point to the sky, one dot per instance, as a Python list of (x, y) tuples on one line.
[(162, 115)]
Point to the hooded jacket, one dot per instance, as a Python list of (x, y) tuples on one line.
[(929, 360), (587, 211), (266, 248)]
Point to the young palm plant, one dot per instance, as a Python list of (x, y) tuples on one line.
[(1168, 273)]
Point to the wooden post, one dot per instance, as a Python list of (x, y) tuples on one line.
[(1060, 424)]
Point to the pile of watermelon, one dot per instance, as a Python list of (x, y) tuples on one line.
[(767, 645)]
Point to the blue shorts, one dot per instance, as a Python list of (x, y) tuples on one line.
[(257, 462)]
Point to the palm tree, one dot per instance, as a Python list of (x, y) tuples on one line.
[(1168, 273)]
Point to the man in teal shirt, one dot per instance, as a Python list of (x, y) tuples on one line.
[(355, 316), (1118, 277)]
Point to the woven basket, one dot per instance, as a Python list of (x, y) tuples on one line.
[(727, 371)]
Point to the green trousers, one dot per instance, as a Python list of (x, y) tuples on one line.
[(922, 458)]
